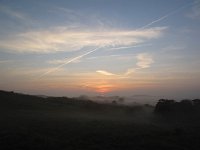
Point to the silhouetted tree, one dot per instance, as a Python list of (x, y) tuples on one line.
[(184, 108), (121, 100), (164, 106), (196, 102), (114, 102)]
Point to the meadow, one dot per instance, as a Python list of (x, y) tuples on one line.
[(32, 123)]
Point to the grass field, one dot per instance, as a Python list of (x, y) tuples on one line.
[(30, 122)]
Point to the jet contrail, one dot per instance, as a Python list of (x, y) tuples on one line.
[(126, 47), (69, 61), (167, 15), (143, 27)]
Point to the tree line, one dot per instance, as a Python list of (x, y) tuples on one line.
[(186, 106)]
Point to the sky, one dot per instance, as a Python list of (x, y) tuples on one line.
[(100, 47)]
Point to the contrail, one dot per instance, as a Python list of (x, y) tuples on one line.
[(69, 61), (126, 47), (143, 27), (168, 15)]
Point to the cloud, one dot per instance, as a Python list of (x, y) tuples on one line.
[(69, 61), (103, 57), (127, 47), (144, 60), (195, 13), (119, 76), (170, 14), (70, 14), (122, 75), (62, 39), (15, 14), (172, 48), (61, 61), (5, 61), (106, 73), (129, 71), (12, 13), (157, 20)]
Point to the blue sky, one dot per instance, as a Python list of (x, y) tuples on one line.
[(92, 47)]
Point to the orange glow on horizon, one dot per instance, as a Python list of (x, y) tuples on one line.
[(95, 84), (103, 87)]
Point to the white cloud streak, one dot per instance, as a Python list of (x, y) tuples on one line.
[(157, 20), (5, 61), (168, 15), (195, 13), (12, 13), (126, 47), (69, 61), (61, 61), (129, 71), (144, 60), (103, 57), (67, 40), (103, 72), (123, 75), (16, 14)]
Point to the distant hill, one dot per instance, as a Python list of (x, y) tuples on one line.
[(13, 101), (22, 101)]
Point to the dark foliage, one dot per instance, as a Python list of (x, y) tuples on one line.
[(168, 107)]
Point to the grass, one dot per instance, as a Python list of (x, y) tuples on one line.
[(32, 123)]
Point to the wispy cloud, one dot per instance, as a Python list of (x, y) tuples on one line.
[(157, 20), (195, 13), (126, 47), (15, 14), (5, 61), (12, 13), (118, 76), (55, 40), (61, 61), (169, 14), (172, 48), (103, 72), (70, 14), (103, 57), (144, 60), (129, 71), (82, 18), (69, 61)]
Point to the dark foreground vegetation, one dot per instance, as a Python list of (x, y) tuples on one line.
[(34, 123)]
